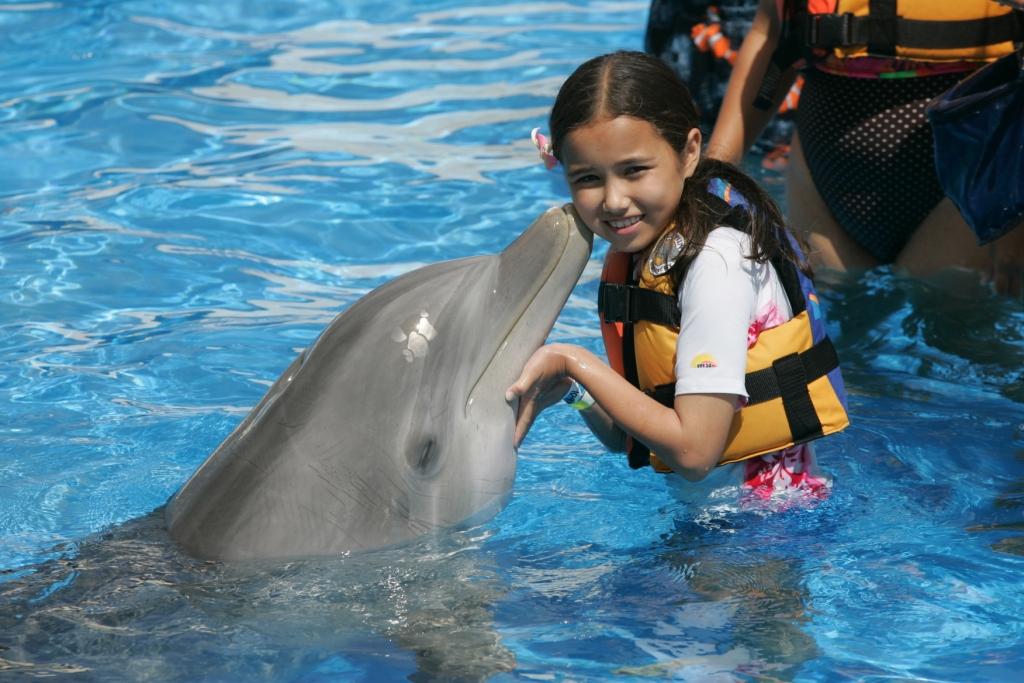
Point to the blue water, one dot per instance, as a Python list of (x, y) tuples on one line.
[(192, 190)]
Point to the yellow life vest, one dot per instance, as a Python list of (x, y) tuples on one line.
[(793, 379), (918, 30), (939, 31)]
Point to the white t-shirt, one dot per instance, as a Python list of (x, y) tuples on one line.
[(722, 294)]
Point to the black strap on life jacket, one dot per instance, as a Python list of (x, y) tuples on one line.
[(772, 382), (627, 303), (630, 303), (787, 378), (880, 32)]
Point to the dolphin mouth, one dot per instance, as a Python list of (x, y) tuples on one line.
[(534, 303)]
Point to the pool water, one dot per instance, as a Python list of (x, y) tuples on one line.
[(192, 191)]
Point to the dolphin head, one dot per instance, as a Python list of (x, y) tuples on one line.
[(394, 422)]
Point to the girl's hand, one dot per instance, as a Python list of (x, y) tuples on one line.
[(543, 382)]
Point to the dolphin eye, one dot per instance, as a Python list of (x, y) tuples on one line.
[(424, 457)]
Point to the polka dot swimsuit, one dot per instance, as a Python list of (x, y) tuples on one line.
[(868, 147)]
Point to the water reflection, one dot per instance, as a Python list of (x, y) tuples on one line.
[(951, 330), (126, 604), (338, 49)]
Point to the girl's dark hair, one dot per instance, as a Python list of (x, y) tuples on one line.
[(638, 85)]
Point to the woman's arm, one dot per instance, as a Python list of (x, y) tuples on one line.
[(689, 438), (739, 122)]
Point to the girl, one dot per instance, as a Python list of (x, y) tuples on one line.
[(700, 267)]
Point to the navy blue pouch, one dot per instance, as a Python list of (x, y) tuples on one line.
[(979, 146)]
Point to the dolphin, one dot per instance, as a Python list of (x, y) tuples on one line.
[(393, 424)]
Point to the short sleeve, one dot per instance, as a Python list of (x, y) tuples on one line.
[(717, 302)]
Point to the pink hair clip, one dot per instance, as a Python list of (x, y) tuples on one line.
[(547, 155)]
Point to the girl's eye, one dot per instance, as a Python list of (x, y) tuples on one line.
[(635, 170), (587, 179)]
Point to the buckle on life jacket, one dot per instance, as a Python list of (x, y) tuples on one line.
[(630, 304), (827, 30), (613, 302)]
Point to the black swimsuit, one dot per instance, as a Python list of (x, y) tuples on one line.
[(870, 153)]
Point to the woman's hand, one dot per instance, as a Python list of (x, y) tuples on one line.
[(543, 382)]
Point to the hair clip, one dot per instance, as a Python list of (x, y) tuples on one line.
[(543, 145)]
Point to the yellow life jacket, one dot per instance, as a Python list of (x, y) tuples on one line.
[(918, 30), (940, 31), (796, 391)]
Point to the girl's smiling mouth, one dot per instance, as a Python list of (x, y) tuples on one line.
[(623, 223)]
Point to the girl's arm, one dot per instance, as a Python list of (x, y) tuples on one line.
[(689, 438), (548, 390), (739, 122)]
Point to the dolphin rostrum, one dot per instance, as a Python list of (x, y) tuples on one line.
[(394, 422)]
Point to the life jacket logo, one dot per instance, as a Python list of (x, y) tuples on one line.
[(703, 360)]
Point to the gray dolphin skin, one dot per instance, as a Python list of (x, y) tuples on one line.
[(393, 423)]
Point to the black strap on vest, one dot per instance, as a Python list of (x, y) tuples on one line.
[(626, 304), (629, 304), (804, 424), (880, 32), (882, 28), (770, 383), (789, 278), (787, 378), (639, 454)]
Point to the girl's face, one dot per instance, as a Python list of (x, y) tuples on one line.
[(626, 179)]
